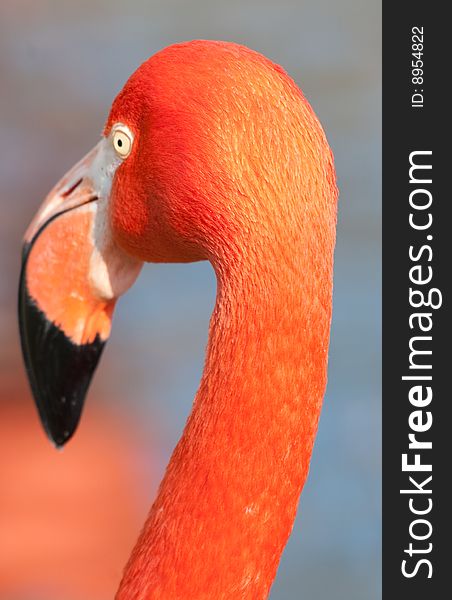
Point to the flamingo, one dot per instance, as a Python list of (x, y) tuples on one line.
[(210, 152)]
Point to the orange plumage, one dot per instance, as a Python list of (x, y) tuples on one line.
[(234, 168)]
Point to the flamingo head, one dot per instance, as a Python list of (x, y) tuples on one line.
[(195, 162)]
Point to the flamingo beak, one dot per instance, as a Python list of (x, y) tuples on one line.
[(72, 274)]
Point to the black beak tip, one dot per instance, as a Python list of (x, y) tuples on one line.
[(59, 371), (59, 437), (59, 427)]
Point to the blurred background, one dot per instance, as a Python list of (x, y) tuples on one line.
[(68, 519)]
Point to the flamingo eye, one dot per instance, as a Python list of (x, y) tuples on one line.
[(122, 141)]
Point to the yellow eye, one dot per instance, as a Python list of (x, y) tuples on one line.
[(122, 141)]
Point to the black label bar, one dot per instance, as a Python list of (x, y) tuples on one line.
[(417, 259)]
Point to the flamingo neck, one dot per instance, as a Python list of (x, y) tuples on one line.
[(227, 503)]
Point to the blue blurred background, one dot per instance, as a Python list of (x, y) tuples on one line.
[(61, 65)]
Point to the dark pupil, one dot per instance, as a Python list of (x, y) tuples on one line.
[(120, 143)]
